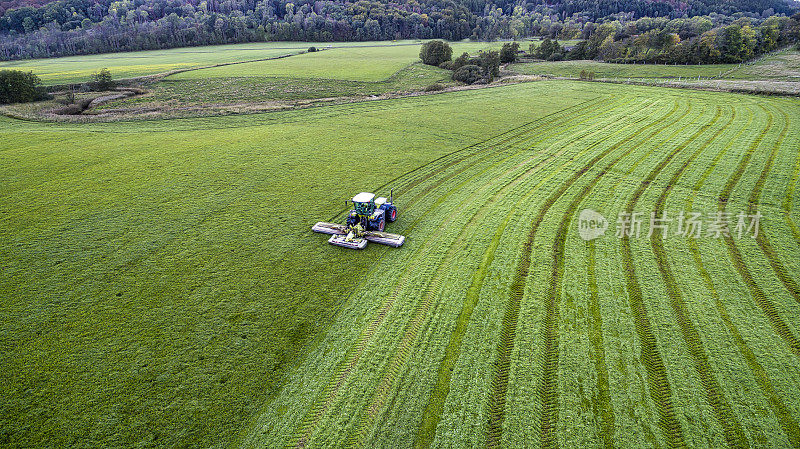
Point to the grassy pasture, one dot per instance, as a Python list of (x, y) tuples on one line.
[(572, 69), (77, 69), (163, 287), (783, 65), (363, 63), (197, 91)]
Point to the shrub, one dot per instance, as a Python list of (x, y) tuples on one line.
[(434, 87), (435, 52), (468, 74), (102, 80), (461, 61), (312, 49), (447, 65), (489, 61), (586, 75), (20, 87), (509, 52)]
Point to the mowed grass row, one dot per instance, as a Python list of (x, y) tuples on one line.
[(677, 387)]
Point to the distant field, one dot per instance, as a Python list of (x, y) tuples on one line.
[(353, 63), (572, 69), (76, 69), (172, 92), (784, 66), (161, 285)]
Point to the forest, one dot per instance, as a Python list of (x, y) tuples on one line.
[(660, 30)]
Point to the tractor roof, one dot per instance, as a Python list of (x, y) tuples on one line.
[(364, 197)]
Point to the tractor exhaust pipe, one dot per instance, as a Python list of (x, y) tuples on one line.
[(391, 196)]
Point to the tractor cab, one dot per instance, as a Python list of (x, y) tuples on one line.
[(372, 214), (364, 204)]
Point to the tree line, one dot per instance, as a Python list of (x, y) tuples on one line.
[(72, 27)]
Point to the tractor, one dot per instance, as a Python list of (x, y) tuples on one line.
[(365, 223)]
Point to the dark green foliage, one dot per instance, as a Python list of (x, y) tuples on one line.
[(102, 80), (20, 87), (509, 52), (468, 74), (489, 62), (435, 52), (462, 60), (549, 50), (434, 87), (312, 49), (447, 65), (587, 75)]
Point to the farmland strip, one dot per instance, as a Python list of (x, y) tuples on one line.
[(763, 301), (419, 314), (496, 405), (788, 200), (598, 353), (734, 435), (432, 414), (547, 386), (787, 423), (761, 238), (325, 399), (404, 349)]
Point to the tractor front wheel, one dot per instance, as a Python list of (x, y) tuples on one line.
[(381, 225)]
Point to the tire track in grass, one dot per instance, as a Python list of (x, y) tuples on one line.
[(752, 208), (404, 349), (761, 298), (788, 201), (787, 423), (659, 386), (327, 396), (548, 383), (432, 413), (420, 313), (497, 397), (734, 435), (595, 330)]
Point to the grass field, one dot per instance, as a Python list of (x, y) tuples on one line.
[(373, 63), (163, 286), (782, 65), (572, 69), (78, 69)]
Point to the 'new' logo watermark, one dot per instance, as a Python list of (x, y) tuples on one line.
[(591, 224)]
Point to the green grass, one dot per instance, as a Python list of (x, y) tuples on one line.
[(783, 65), (173, 92), (572, 69), (78, 69), (363, 63), (162, 286)]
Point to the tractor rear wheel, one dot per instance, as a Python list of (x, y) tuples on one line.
[(392, 215)]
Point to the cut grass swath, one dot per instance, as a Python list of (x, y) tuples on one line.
[(752, 208), (433, 410), (548, 381), (496, 405), (598, 353), (734, 435), (318, 410), (785, 419), (759, 296)]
